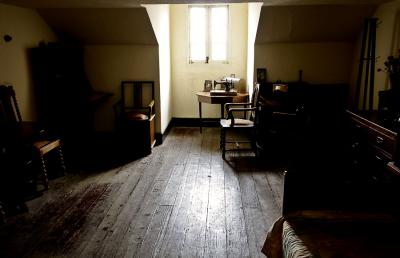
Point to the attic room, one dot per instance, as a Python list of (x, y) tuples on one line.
[(199, 128)]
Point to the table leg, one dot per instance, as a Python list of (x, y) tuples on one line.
[(222, 111), (244, 112), (200, 120)]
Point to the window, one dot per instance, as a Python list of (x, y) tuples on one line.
[(208, 33)]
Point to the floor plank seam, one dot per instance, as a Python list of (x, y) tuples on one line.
[(186, 229), (141, 170), (170, 169), (182, 200), (190, 196), (273, 194), (39, 238)]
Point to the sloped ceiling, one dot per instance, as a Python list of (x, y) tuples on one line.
[(311, 23), (122, 21), (135, 3), (101, 25)]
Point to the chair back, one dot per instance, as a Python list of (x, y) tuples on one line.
[(255, 101), (9, 111), (136, 94)]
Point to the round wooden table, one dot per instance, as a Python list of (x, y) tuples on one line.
[(205, 97)]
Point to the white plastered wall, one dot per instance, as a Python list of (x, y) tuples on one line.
[(311, 39), (107, 65), (119, 43), (160, 20), (254, 10), (187, 79), (387, 43), (321, 62), (27, 29)]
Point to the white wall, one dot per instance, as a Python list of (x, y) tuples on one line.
[(187, 79), (254, 10), (318, 39), (120, 44), (107, 65), (387, 43), (385, 37), (27, 29), (324, 62), (160, 20)]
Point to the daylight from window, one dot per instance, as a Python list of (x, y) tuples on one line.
[(219, 33), (198, 33), (208, 33)]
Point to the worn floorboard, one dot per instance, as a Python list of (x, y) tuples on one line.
[(183, 200)]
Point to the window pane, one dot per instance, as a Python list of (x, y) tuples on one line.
[(219, 33), (198, 33)]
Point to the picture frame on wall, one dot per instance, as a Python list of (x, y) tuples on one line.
[(207, 85), (261, 75)]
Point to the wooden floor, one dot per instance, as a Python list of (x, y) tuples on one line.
[(183, 200)]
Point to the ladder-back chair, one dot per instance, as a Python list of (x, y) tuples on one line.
[(13, 127), (135, 113), (247, 124)]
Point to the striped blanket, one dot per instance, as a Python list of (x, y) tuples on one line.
[(334, 234)]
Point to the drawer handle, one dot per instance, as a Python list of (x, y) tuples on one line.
[(379, 140)]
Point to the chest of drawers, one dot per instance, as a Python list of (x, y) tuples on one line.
[(373, 146)]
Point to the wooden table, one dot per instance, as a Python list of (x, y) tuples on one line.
[(205, 97)]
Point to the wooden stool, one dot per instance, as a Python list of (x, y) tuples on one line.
[(44, 147)]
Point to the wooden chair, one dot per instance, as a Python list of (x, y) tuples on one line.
[(136, 115), (17, 178), (282, 119), (44, 147), (12, 119), (246, 124)]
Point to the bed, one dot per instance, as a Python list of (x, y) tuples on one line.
[(329, 217), (334, 234)]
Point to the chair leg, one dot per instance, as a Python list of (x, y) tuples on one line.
[(256, 150), (223, 142), (2, 215), (62, 163), (253, 145), (45, 179), (220, 139)]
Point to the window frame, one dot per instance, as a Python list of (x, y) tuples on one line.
[(208, 59)]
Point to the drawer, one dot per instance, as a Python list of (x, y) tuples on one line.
[(382, 141), (380, 158), (378, 166), (358, 124), (357, 131)]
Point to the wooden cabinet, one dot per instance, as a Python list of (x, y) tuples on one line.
[(65, 100), (62, 91), (372, 145)]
